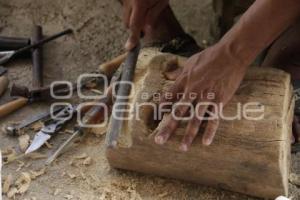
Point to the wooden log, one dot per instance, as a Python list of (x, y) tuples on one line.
[(250, 157)]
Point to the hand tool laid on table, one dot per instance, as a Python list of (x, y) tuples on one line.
[(5, 56), (15, 129), (26, 96), (51, 127), (95, 114), (3, 80)]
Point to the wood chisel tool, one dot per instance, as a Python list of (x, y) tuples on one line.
[(116, 123), (5, 56)]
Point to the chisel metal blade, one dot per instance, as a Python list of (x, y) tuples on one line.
[(128, 69), (39, 139)]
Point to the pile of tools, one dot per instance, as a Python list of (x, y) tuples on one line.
[(90, 114)]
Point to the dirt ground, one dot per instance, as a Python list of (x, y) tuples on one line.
[(99, 35)]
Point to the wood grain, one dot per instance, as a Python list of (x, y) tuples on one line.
[(247, 156)]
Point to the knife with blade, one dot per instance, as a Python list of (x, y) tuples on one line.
[(51, 127)]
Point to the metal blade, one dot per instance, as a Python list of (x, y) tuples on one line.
[(13, 130), (5, 56), (128, 69), (39, 139), (75, 135)]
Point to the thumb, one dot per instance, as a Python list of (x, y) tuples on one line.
[(137, 22)]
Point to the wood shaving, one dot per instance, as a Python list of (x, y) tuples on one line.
[(24, 141), (10, 156), (81, 156), (100, 131), (83, 176), (12, 193), (36, 156), (35, 174), (163, 195), (56, 192), (48, 145), (20, 166), (68, 196), (87, 161), (96, 91), (7, 151), (8, 181), (72, 176), (23, 182), (37, 126), (294, 179)]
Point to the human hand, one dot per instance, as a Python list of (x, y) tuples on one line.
[(137, 14), (208, 81)]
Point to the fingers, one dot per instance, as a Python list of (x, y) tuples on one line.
[(173, 75), (192, 128), (211, 128), (156, 10), (172, 121), (137, 21)]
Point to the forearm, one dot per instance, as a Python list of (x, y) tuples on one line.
[(261, 24)]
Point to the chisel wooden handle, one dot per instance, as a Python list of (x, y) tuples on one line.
[(3, 84), (109, 67), (12, 106)]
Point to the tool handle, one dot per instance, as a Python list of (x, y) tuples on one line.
[(37, 58), (12, 106), (3, 84), (13, 43), (108, 68), (43, 41)]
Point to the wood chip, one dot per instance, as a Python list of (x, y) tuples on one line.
[(7, 151), (37, 126), (96, 91), (8, 181), (24, 141), (294, 179), (12, 193), (56, 191), (72, 176), (35, 174), (48, 145), (10, 156), (87, 161), (68, 196), (163, 195), (83, 176), (20, 166), (36, 156), (81, 156), (23, 182)]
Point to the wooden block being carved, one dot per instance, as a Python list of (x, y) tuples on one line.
[(247, 156)]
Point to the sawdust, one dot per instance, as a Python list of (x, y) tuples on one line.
[(8, 181), (24, 141)]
